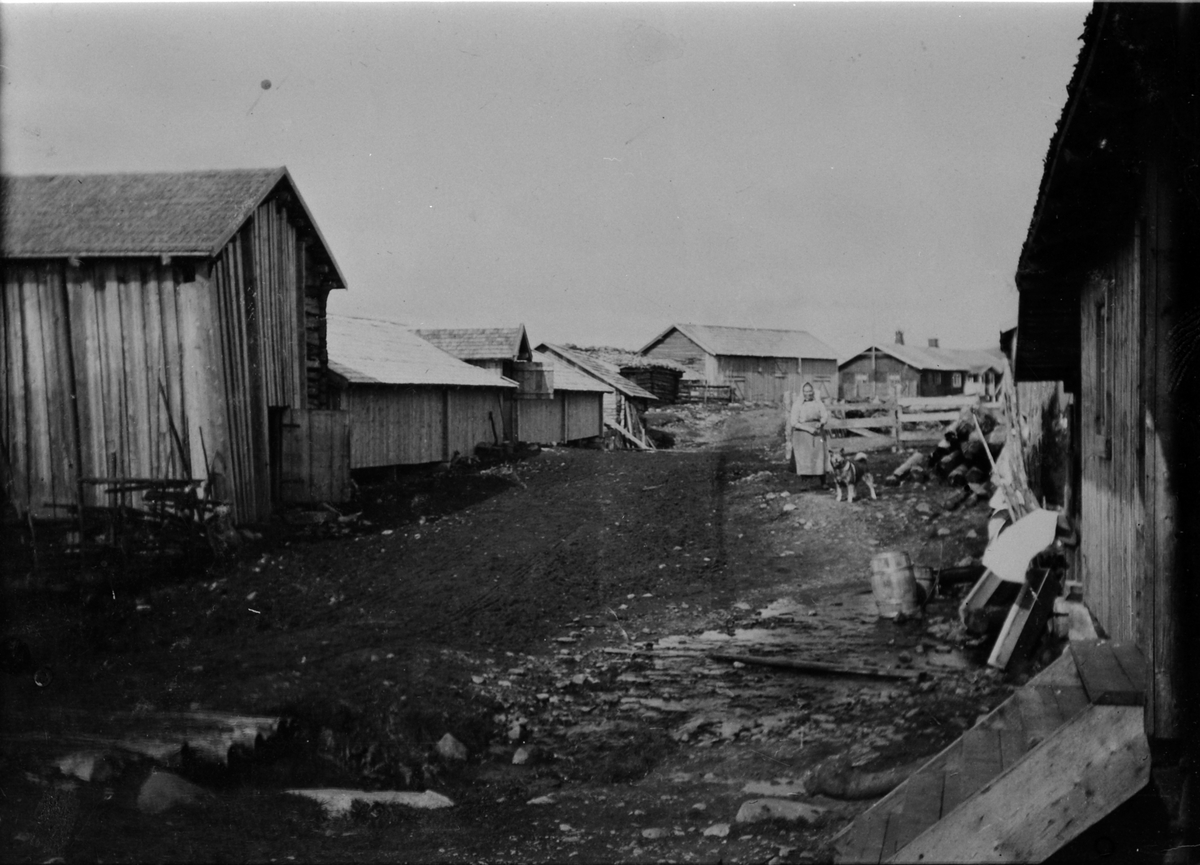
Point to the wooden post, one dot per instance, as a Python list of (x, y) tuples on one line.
[(896, 420)]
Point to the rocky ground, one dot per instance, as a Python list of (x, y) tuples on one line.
[(557, 619)]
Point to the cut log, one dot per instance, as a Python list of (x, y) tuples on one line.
[(917, 459), (817, 667)]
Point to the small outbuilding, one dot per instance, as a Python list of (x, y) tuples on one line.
[(759, 364), (624, 401), (409, 401), (573, 413), (160, 328)]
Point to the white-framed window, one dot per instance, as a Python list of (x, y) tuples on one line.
[(956, 380)]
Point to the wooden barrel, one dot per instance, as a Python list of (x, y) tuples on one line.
[(894, 584)]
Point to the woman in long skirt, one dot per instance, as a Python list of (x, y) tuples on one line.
[(806, 426)]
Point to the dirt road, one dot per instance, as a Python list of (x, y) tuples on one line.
[(565, 607)]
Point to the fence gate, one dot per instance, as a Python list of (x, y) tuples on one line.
[(314, 456)]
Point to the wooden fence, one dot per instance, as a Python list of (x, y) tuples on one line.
[(904, 420), (698, 391)]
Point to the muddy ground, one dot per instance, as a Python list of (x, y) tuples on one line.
[(564, 605)]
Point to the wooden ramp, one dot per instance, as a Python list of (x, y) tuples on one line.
[(1061, 753)]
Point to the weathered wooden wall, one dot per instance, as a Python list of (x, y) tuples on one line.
[(663, 383), (877, 377), (408, 425), (101, 357), (569, 416), (314, 456), (759, 379), (821, 374), (682, 350), (1127, 506)]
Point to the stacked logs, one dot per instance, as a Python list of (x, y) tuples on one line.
[(963, 457)]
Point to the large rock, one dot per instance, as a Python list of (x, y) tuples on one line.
[(449, 748), (163, 790), (758, 810)]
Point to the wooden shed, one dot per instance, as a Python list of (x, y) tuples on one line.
[(409, 401), (504, 351), (624, 401), (1108, 305), (162, 326), (761, 365), (883, 369), (573, 413)]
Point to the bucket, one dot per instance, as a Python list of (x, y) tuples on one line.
[(894, 585)]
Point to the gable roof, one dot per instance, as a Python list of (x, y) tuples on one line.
[(599, 370), (750, 341), (919, 357), (177, 213), (566, 377), (479, 343), (371, 351)]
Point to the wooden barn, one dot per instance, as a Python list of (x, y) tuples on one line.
[(573, 412), (1108, 305), (882, 370), (760, 365), (624, 401), (159, 327), (410, 402)]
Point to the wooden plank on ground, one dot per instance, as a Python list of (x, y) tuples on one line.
[(1025, 623), (1072, 699), (1133, 662), (1104, 680), (1040, 714), (863, 839), (953, 793), (981, 758), (922, 803), (1061, 671), (1084, 771)]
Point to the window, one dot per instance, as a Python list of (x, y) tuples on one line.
[(956, 380), (860, 378)]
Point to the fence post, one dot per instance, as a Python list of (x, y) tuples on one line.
[(896, 420)]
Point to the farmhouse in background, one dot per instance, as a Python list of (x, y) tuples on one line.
[(882, 370), (759, 365), (409, 401), (624, 401), (165, 326)]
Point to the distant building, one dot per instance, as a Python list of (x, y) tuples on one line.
[(760, 365), (624, 401), (885, 369)]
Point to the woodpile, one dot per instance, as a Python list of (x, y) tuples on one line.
[(965, 456)]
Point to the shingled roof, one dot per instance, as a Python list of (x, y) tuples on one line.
[(479, 343), (161, 213), (566, 377), (597, 369), (371, 351), (750, 341), (938, 359)]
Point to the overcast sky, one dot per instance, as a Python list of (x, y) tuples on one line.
[(595, 171)]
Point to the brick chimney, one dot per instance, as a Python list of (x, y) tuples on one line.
[(933, 342), (899, 337)]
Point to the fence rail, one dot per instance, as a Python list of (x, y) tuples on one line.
[(900, 421)]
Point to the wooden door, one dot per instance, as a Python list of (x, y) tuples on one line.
[(314, 456)]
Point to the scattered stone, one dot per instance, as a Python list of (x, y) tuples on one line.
[(943, 532), (541, 800), (655, 832), (788, 508), (758, 810), (450, 748), (164, 790), (784, 790), (88, 766), (517, 732), (923, 508), (717, 830), (527, 755), (338, 802)]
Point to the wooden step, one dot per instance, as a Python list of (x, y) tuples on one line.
[(1043, 766)]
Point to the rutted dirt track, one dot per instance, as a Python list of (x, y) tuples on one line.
[(568, 602)]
